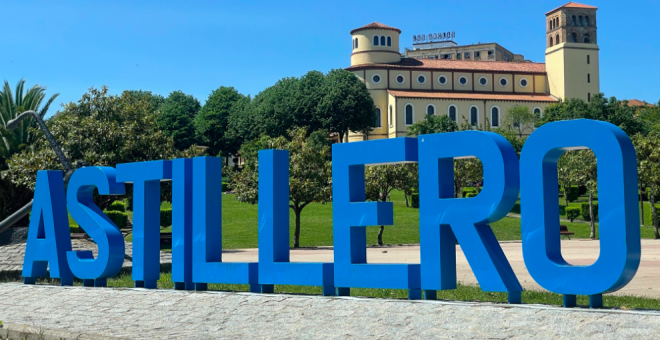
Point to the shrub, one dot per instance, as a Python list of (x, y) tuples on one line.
[(165, 217), (469, 190), (572, 213), (74, 229), (225, 187), (516, 208), (585, 211), (572, 193), (117, 206), (414, 198), (118, 217), (470, 194)]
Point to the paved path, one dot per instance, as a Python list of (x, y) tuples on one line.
[(576, 251), (11, 256), (93, 313)]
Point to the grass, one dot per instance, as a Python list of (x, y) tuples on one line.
[(471, 293)]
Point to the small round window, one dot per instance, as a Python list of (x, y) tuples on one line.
[(375, 78), (421, 79), (463, 80), (523, 82), (442, 80), (400, 79), (483, 81), (504, 82)]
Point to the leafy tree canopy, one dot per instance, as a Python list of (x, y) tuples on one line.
[(176, 118), (212, 120)]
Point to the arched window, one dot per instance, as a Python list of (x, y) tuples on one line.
[(573, 37), (410, 114), (573, 20), (382, 40), (556, 22), (474, 116), (537, 112), (391, 121), (586, 38), (586, 21), (588, 78), (452, 112), (580, 20), (495, 116), (377, 113), (557, 39), (430, 109), (550, 44), (356, 42), (550, 25), (375, 40), (389, 41)]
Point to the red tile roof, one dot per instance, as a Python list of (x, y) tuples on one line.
[(572, 5), (376, 25), (475, 96), (460, 65), (639, 103)]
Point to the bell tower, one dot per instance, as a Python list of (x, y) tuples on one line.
[(571, 55)]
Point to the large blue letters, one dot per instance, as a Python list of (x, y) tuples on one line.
[(444, 219), (351, 215), (617, 199), (48, 235), (98, 226)]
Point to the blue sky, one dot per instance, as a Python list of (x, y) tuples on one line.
[(197, 46)]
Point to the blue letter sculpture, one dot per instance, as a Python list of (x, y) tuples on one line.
[(207, 231), (146, 177), (108, 238), (444, 219), (351, 215), (48, 236), (182, 200), (617, 201), (274, 265)]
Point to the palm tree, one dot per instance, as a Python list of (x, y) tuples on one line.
[(12, 196), (12, 105)]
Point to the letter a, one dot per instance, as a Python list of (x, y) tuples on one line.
[(48, 235)]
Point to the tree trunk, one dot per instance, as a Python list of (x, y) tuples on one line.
[(591, 214), (296, 233), (565, 198), (406, 195), (641, 201), (654, 212), (380, 235)]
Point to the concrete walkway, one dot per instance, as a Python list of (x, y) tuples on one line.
[(52, 312), (576, 251)]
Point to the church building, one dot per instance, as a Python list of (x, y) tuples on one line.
[(473, 84)]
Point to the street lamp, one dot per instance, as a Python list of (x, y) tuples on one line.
[(12, 124)]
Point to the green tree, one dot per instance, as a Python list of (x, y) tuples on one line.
[(379, 183), (520, 119), (408, 181), (346, 105), (155, 100), (310, 174), (648, 167), (432, 124), (176, 118), (212, 120), (100, 129)]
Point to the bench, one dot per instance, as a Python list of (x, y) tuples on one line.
[(166, 238), (563, 231)]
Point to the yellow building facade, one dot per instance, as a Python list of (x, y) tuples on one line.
[(479, 93)]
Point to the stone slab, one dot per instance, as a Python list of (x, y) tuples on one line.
[(90, 313)]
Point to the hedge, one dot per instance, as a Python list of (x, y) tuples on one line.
[(468, 190), (572, 213), (414, 198), (117, 206), (585, 211), (572, 193), (120, 218), (471, 194), (225, 186), (165, 217)]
